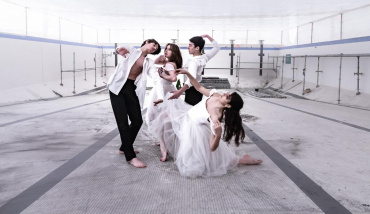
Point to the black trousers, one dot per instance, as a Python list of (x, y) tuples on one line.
[(126, 105), (192, 96)]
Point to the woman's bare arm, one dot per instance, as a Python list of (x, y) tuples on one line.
[(172, 77), (215, 139), (194, 82), (161, 60)]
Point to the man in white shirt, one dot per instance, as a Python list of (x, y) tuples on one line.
[(195, 67), (127, 91)]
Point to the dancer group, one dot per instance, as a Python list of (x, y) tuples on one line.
[(189, 130)]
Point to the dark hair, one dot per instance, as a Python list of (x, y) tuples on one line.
[(155, 42), (176, 55), (198, 42), (233, 121)]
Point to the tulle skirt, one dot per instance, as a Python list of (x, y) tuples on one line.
[(188, 142), (153, 111)]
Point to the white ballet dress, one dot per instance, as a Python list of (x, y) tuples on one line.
[(186, 132), (153, 111)]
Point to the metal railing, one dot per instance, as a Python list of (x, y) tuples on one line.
[(320, 71), (85, 69), (238, 66)]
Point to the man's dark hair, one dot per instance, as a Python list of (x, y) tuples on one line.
[(198, 42), (155, 42)]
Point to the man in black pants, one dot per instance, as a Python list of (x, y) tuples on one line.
[(195, 67), (127, 90)]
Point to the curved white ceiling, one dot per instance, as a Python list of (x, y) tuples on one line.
[(193, 14)]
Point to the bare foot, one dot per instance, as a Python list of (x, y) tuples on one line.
[(248, 160), (121, 152), (164, 157), (137, 163)]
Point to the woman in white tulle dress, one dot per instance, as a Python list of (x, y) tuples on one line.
[(192, 134), (171, 60)]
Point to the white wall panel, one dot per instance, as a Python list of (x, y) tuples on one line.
[(290, 37), (42, 25), (13, 18), (103, 36), (41, 63), (126, 36), (162, 36), (356, 23), (185, 35), (70, 31), (224, 37), (327, 29), (304, 34), (269, 37), (89, 35)]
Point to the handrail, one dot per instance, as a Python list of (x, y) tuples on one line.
[(242, 68), (80, 70), (318, 66)]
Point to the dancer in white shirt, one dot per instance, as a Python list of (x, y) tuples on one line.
[(195, 66), (127, 91), (171, 60)]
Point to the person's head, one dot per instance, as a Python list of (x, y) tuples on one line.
[(173, 54), (152, 46), (196, 45), (233, 122)]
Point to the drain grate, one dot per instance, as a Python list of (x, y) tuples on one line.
[(248, 118), (263, 93), (215, 82)]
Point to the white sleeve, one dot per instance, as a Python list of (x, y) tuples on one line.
[(128, 47), (193, 68), (210, 54), (169, 67)]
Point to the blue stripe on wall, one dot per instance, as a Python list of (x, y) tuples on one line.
[(39, 39), (335, 42)]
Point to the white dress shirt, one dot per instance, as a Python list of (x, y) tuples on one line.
[(196, 64), (119, 77)]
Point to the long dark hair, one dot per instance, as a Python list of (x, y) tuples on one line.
[(233, 121), (176, 55)]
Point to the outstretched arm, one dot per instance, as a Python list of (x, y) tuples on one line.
[(124, 50), (161, 60), (194, 82), (192, 69)]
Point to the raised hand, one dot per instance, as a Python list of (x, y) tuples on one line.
[(207, 36), (122, 51), (217, 127), (160, 71)]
